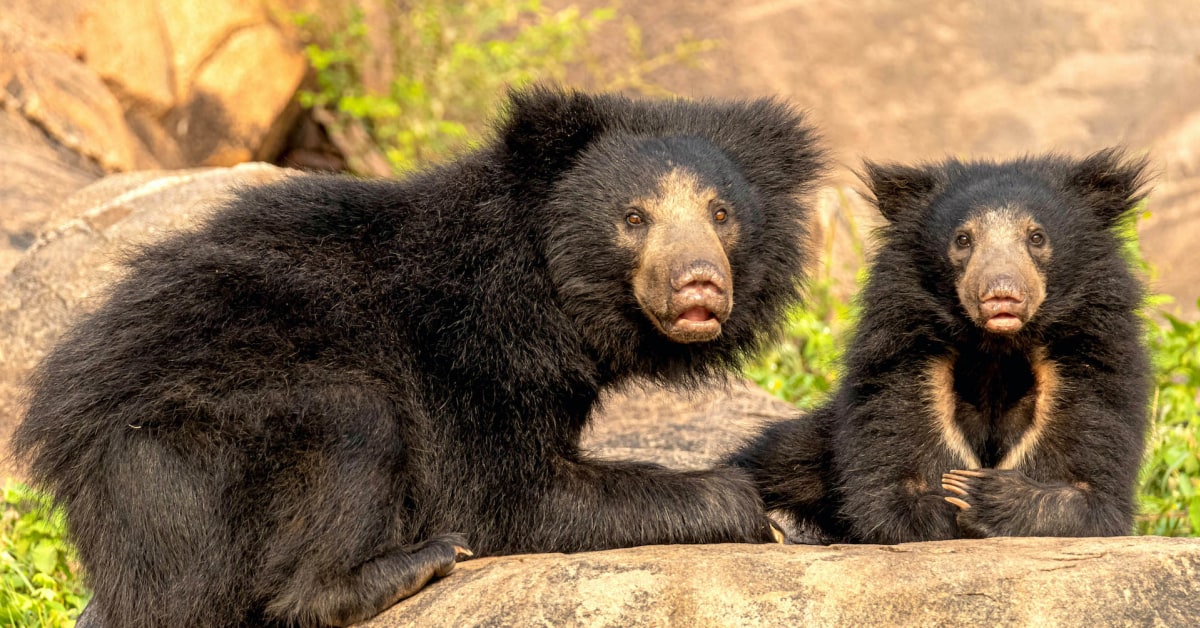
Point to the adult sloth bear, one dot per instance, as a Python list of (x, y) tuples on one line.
[(997, 384), (302, 412)]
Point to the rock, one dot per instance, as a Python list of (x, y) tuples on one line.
[(54, 25), (215, 79), (197, 30), (678, 428), (70, 103), (36, 175), (1142, 581), (130, 51), (240, 106), (66, 270)]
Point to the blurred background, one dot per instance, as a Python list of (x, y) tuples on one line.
[(94, 87), (121, 120)]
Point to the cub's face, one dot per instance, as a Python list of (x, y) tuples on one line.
[(1006, 243), (1000, 255)]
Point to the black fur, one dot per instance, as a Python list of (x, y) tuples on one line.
[(285, 417), (868, 465)]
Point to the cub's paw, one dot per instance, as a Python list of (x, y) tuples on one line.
[(434, 558), (987, 498)]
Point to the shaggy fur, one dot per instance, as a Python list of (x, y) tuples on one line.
[(290, 416), (927, 391)]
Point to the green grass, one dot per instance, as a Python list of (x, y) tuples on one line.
[(1170, 480), (39, 581)]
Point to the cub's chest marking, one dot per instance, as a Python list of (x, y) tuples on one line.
[(939, 391), (1046, 382)]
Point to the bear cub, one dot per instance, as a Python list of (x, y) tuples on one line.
[(308, 408), (997, 383)]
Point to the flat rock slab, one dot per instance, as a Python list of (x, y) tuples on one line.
[(1141, 581)]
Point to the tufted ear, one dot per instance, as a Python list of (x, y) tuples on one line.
[(899, 190), (546, 129), (1109, 182)]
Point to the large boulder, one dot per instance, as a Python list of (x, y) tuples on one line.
[(1128, 581), (202, 83), (679, 428), (88, 89)]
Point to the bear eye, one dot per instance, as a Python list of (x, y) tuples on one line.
[(719, 210), (963, 240), (1037, 238), (633, 218)]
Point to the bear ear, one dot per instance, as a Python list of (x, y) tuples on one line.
[(1110, 183), (899, 190), (546, 129)]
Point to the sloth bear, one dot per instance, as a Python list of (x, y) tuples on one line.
[(305, 410), (997, 383)]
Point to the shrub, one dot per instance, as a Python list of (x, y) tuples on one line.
[(1170, 479), (38, 581), (450, 64)]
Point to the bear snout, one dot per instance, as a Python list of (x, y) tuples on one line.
[(700, 302), (1005, 304), (1004, 308)]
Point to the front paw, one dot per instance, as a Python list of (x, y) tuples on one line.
[(986, 499)]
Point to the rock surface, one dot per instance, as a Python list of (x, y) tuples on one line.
[(66, 270), (86, 90), (681, 429), (1126, 581)]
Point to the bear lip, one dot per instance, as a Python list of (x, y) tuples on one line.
[(1003, 315), (695, 324), (1004, 323)]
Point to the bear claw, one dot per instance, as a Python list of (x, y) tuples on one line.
[(962, 505)]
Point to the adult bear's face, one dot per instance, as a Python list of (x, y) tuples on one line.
[(678, 233), (666, 213)]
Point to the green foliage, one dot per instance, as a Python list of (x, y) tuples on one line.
[(451, 62), (38, 581), (1170, 479), (802, 368)]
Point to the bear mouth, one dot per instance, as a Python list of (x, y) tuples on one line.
[(1004, 324), (695, 324)]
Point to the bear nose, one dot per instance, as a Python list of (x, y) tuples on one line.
[(1003, 295), (1002, 288), (700, 276)]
